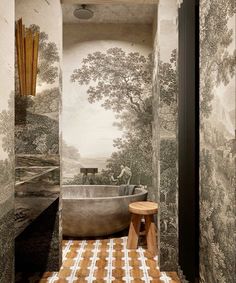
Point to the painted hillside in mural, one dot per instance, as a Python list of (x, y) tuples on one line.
[(121, 82), (218, 143)]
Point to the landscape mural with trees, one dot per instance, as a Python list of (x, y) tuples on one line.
[(123, 82), (217, 141)]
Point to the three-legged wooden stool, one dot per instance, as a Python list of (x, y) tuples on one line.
[(139, 210)]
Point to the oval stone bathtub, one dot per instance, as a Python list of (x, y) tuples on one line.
[(97, 210)]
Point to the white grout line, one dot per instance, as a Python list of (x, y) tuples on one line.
[(110, 259), (66, 249), (165, 278), (126, 258), (53, 278), (144, 267), (78, 258), (93, 266)]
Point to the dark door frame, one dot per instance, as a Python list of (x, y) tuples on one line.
[(189, 139)]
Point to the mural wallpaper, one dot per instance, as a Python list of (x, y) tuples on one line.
[(111, 128), (165, 108), (116, 120), (218, 141), (6, 141), (37, 187)]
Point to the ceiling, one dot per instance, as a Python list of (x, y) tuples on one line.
[(117, 13)]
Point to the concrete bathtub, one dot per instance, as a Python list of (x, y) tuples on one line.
[(96, 210)]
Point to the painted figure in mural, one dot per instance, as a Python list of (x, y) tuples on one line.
[(114, 181), (125, 173)]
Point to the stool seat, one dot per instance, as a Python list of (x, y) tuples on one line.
[(143, 207)]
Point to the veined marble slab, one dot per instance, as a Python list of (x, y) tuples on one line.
[(36, 189), (43, 184), (25, 160), (27, 174), (27, 209)]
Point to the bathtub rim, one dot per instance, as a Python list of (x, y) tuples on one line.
[(142, 192)]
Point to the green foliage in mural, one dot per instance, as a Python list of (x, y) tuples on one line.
[(7, 128), (48, 56), (46, 102), (123, 80), (7, 143), (168, 80), (217, 222), (168, 93)]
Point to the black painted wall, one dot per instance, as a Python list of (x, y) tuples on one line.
[(188, 140)]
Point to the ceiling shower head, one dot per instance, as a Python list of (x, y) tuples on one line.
[(83, 13)]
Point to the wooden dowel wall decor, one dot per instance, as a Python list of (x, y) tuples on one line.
[(27, 46)]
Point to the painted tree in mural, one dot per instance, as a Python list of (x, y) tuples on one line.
[(123, 84), (48, 56), (217, 177), (168, 93), (215, 37), (37, 117)]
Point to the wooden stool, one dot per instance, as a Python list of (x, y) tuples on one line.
[(139, 210)]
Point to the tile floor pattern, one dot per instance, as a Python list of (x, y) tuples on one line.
[(103, 261)]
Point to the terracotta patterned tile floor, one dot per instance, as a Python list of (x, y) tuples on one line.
[(103, 261)]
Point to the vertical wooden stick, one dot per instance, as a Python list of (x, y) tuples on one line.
[(150, 228), (23, 58), (27, 45), (35, 62), (134, 229), (29, 60)]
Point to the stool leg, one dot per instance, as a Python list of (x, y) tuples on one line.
[(150, 228), (134, 228)]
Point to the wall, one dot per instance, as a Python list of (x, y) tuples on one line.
[(107, 109), (217, 141), (6, 141), (37, 145), (188, 140), (165, 108)]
